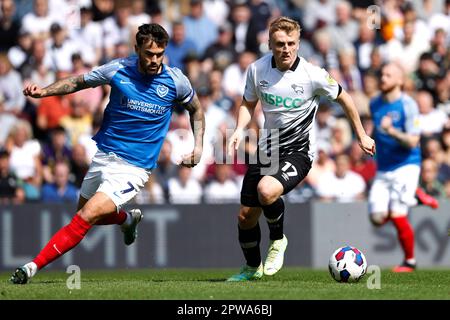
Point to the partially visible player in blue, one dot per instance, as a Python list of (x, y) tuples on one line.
[(396, 133), (144, 92)]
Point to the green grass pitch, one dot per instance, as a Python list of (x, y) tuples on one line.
[(208, 284)]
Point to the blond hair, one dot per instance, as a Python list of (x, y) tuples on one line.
[(285, 24)]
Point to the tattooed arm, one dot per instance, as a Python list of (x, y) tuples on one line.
[(197, 119), (60, 87)]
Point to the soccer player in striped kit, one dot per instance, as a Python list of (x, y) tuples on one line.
[(289, 89)]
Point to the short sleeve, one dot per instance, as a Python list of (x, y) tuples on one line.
[(324, 85), (183, 86), (250, 86), (102, 74), (412, 125)]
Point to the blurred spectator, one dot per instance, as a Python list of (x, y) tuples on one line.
[(61, 190), (89, 36), (321, 165), (426, 75), (345, 30), (116, 29), (19, 54), (364, 45), (199, 28), (432, 149), (440, 17), (60, 49), (376, 62), (350, 75), (86, 140), (183, 189), (406, 51), (324, 56), (12, 99), (303, 192), (166, 168), (102, 9), (179, 47), (324, 124), (9, 27), (362, 164), (24, 158), (195, 70), (138, 15), (217, 10), (319, 13), (439, 49), (234, 75), (152, 193), (222, 189), (428, 179), (447, 189), (11, 191), (245, 29), (443, 93), (79, 164), (431, 120), (221, 53), (38, 21), (218, 95), (52, 109), (181, 137), (343, 185), (445, 138), (79, 122), (262, 11), (55, 151), (427, 9), (391, 19), (36, 68), (421, 28), (214, 117), (341, 137), (93, 96), (370, 84)]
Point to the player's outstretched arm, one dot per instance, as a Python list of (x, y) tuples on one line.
[(60, 87), (366, 143), (197, 119), (244, 116)]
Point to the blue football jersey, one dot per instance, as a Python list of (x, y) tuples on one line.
[(137, 117), (404, 113)]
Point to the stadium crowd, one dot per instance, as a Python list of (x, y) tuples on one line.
[(46, 146)]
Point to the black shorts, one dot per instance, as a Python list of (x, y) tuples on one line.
[(292, 169)]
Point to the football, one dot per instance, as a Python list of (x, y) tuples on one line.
[(347, 264)]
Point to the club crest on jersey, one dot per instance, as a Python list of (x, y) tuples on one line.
[(161, 90), (263, 84), (298, 89)]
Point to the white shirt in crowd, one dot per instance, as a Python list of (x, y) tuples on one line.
[(227, 192), (345, 189), (190, 193)]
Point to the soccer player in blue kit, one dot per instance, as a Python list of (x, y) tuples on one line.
[(397, 135), (135, 122)]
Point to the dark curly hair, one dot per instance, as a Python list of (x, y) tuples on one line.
[(152, 32)]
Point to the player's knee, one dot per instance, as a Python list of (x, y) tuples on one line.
[(88, 215), (266, 194), (377, 219), (246, 219)]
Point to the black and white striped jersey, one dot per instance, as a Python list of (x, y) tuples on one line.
[(289, 101)]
